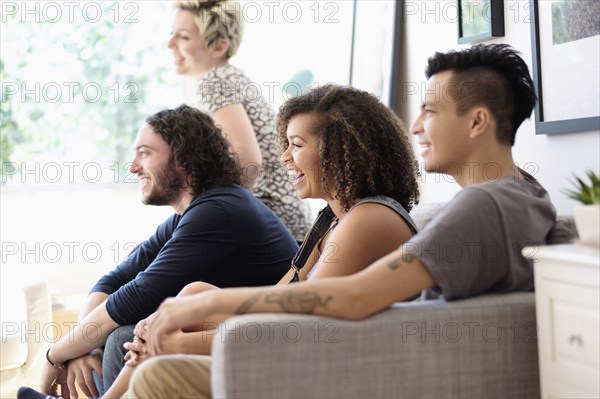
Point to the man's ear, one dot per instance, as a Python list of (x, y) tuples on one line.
[(480, 122), (220, 48)]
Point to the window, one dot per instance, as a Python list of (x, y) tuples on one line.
[(79, 78)]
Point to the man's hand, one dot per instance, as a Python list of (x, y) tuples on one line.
[(80, 373), (173, 314), (52, 377), (170, 343)]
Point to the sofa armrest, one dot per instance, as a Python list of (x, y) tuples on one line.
[(39, 319), (479, 347), (32, 329)]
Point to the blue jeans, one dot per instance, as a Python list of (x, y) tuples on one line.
[(112, 357)]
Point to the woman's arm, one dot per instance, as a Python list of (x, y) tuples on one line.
[(119, 387), (237, 129), (365, 234)]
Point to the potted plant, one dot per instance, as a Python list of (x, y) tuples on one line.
[(587, 215)]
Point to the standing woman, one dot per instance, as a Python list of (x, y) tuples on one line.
[(206, 34)]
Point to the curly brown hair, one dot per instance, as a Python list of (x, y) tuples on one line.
[(363, 145), (198, 146)]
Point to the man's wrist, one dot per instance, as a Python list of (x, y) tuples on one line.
[(54, 364), (96, 352)]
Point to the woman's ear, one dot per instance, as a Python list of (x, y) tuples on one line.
[(481, 118), (220, 48)]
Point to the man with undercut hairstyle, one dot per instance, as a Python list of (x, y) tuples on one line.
[(475, 101)]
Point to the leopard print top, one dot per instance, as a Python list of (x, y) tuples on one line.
[(227, 84)]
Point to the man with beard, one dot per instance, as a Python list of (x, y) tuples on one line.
[(220, 234)]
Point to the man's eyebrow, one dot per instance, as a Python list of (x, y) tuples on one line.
[(139, 147)]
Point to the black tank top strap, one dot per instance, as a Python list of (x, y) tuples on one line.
[(321, 225), (394, 205)]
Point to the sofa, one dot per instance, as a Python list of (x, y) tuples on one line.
[(482, 347), (26, 334)]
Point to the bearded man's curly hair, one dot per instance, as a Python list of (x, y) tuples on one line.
[(363, 146), (198, 146)]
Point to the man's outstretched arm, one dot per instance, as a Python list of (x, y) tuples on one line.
[(395, 277)]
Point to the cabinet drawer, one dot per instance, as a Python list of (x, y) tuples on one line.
[(567, 301), (576, 331), (569, 322)]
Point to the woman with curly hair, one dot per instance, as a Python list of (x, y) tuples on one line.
[(344, 146)]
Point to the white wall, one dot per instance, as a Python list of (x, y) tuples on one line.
[(432, 26)]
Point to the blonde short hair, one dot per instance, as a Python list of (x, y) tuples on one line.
[(217, 19)]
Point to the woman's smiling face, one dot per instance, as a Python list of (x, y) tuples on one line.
[(302, 159), (191, 57)]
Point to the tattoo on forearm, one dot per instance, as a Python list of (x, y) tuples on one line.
[(305, 302), (396, 263), (244, 307), (405, 258)]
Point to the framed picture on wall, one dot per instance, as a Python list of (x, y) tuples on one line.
[(565, 41), (480, 20), (374, 64)]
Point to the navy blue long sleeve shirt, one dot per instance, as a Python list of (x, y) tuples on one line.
[(226, 237)]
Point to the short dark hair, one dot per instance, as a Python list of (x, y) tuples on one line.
[(363, 145), (493, 75), (198, 146)]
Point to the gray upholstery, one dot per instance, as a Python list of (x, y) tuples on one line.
[(563, 232), (475, 348), (423, 213), (483, 347)]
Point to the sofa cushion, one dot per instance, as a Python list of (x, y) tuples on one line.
[(423, 213), (482, 347), (563, 232)]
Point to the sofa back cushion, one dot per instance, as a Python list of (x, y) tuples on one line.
[(423, 213), (563, 232)]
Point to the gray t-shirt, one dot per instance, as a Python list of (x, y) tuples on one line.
[(473, 245)]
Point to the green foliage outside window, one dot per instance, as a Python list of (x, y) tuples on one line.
[(79, 90)]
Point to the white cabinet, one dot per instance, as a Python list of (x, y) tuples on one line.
[(567, 300)]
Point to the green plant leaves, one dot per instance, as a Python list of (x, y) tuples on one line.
[(583, 192)]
